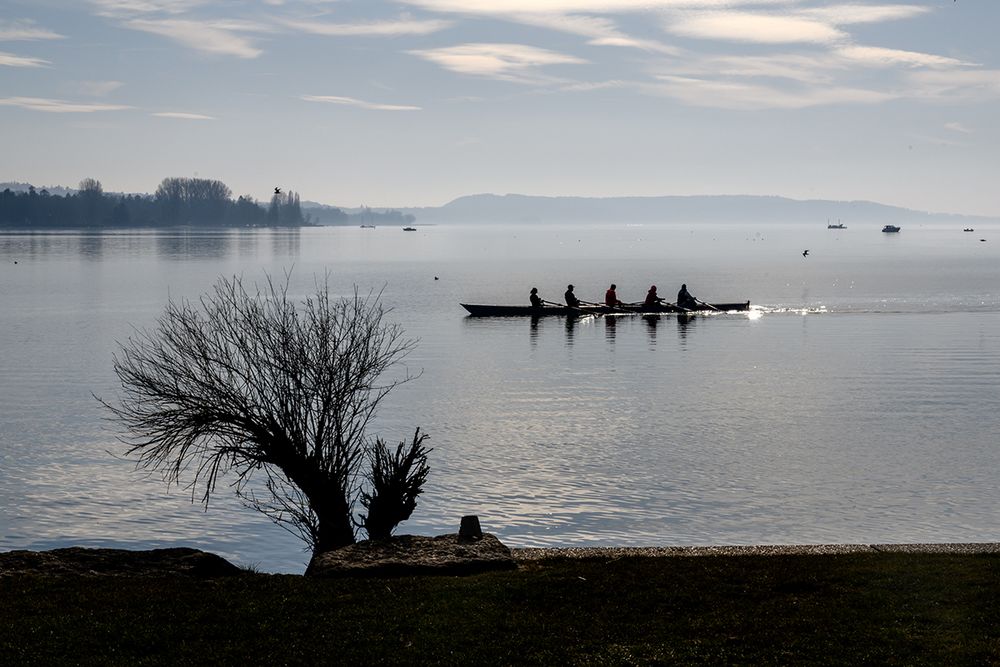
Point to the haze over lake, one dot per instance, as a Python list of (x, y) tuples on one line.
[(857, 402)]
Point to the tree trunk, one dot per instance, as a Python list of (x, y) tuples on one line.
[(335, 527), (326, 498)]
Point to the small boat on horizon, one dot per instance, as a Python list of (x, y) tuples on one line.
[(968, 229), (890, 228), (839, 225), (409, 229), (367, 226)]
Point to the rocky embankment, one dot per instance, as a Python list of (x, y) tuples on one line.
[(78, 561)]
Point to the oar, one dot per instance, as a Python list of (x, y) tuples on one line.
[(674, 305), (562, 305), (707, 305), (614, 309)]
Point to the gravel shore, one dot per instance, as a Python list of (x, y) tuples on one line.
[(532, 554)]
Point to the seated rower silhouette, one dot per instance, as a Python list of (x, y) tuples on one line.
[(536, 301), (611, 297), (651, 298), (570, 298), (685, 300)]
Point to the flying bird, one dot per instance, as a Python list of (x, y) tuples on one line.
[(805, 253), (277, 191)]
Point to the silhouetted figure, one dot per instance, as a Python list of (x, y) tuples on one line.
[(611, 297), (651, 298), (685, 300), (536, 301), (570, 298)]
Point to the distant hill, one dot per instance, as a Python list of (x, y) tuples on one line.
[(527, 209), (513, 208)]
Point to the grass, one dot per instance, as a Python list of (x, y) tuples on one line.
[(859, 608)]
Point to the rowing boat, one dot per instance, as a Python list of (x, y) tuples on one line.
[(476, 310)]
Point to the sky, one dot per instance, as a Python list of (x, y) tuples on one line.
[(416, 102)]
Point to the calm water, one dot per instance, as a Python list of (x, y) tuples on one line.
[(859, 403)]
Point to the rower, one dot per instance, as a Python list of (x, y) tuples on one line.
[(536, 301), (651, 298), (685, 300), (570, 298), (611, 297)]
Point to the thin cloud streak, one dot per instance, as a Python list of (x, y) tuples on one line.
[(882, 57), (361, 104), (95, 88), (752, 97), (370, 29), (508, 62), (852, 14), (568, 17), (182, 115), (125, 8), (755, 28), (586, 87), (216, 38), (599, 30), (25, 31), (813, 69), (958, 127), (58, 106), (13, 60), (955, 87), (498, 7)]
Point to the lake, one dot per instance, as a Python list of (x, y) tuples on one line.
[(859, 401)]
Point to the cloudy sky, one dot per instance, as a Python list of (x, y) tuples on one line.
[(415, 102)]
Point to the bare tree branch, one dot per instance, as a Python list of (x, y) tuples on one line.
[(243, 382)]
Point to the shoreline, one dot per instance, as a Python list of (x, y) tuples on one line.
[(528, 554), (419, 560)]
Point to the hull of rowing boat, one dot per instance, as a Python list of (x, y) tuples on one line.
[(476, 310)]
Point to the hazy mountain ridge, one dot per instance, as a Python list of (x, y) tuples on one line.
[(528, 209), (514, 208)]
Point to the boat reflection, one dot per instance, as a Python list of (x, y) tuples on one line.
[(571, 323), (652, 321), (685, 322), (580, 330)]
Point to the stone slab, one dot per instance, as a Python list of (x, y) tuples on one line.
[(414, 554)]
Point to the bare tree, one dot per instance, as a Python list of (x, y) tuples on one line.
[(254, 384), (396, 481)]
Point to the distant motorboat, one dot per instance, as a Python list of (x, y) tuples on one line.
[(968, 229), (890, 228), (409, 229), (367, 226), (837, 226)]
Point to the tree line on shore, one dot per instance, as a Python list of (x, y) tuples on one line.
[(177, 201)]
